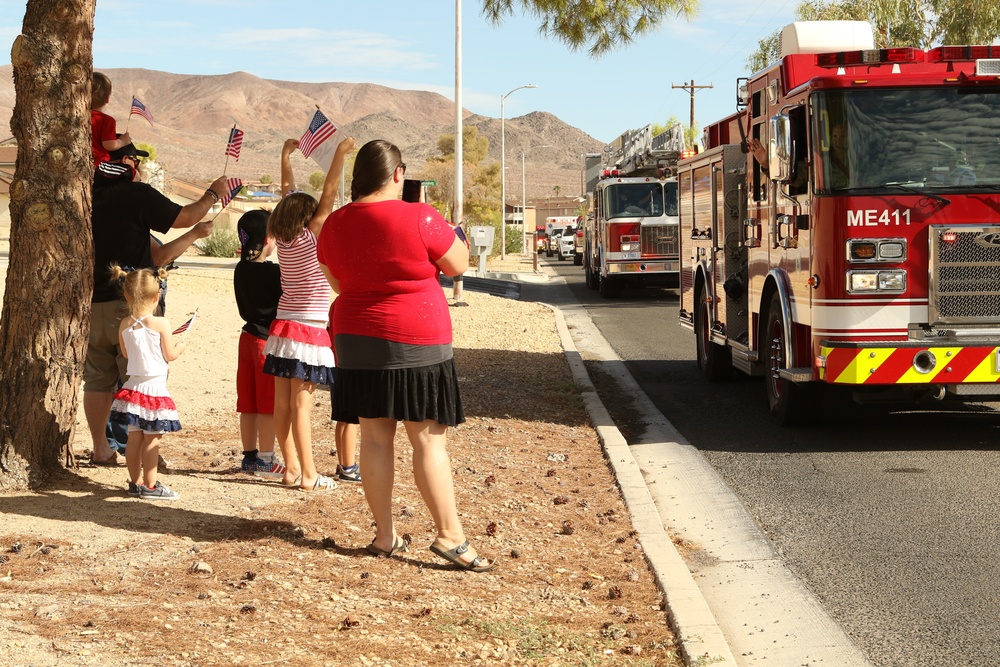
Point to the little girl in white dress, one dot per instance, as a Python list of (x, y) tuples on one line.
[(143, 403)]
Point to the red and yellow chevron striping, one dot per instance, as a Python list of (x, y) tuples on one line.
[(895, 365)]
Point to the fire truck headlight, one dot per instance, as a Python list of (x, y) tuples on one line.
[(862, 281), (626, 247), (876, 281), (892, 281)]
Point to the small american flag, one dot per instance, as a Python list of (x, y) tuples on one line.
[(320, 129), (138, 108), (235, 144), (187, 325), (233, 186)]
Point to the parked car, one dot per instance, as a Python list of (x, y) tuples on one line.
[(566, 244)]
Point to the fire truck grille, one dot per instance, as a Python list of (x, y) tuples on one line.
[(661, 240), (965, 275)]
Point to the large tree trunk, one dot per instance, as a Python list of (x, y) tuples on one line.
[(46, 307)]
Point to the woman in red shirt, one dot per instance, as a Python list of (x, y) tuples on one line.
[(392, 333)]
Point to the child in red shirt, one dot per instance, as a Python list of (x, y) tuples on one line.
[(103, 128)]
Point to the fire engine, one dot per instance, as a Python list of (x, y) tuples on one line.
[(842, 229), (630, 237)]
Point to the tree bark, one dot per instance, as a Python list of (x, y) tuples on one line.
[(45, 322)]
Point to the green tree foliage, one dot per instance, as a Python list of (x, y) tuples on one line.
[(481, 193), (920, 23), (691, 134), (316, 180), (600, 27), (149, 148), (266, 179)]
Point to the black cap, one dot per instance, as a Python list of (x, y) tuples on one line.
[(252, 230), (127, 150)]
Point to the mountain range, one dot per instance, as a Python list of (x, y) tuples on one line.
[(194, 113)]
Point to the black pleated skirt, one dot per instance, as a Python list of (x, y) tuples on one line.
[(404, 394)]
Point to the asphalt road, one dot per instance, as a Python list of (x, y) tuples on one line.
[(887, 514)]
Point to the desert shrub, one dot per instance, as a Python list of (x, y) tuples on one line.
[(222, 242)]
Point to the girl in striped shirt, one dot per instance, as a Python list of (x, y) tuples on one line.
[(298, 350)]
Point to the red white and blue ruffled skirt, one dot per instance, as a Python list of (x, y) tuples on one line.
[(144, 402), (298, 350)]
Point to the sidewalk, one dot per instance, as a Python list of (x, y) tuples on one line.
[(745, 602)]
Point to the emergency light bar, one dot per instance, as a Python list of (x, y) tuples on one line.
[(610, 173), (946, 53), (870, 57)]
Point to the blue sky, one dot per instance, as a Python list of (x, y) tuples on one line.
[(411, 45)]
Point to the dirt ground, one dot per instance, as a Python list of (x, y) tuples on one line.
[(241, 571)]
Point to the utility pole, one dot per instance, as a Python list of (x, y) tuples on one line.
[(692, 89)]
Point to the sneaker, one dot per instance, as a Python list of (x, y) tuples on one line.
[(349, 474), (158, 492), (133, 489), (272, 470)]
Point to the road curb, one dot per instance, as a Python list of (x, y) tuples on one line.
[(698, 633)]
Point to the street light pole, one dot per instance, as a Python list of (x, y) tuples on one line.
[(524, 215), (503, 175)]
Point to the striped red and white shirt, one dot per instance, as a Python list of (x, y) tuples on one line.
[(305, 292)]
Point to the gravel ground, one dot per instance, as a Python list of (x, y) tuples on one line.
[(241, 571)]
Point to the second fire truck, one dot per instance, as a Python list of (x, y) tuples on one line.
[(843, 228), (630, 235)]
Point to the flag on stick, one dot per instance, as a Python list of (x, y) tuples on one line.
[(187, 325), (320, 129), (235, 144), (138, 108), (233, 186)]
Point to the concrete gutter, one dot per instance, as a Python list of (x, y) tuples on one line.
[(700, 638)]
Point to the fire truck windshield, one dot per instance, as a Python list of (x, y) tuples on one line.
[(927, 139), (629, 200)]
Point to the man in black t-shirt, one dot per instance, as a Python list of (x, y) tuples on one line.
[(125, 210)]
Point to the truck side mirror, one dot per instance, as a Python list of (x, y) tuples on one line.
[(779, 153)]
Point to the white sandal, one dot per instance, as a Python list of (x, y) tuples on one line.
[(322, 484)]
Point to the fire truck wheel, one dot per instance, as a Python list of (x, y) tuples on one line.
[(789, 402), (577, 259), (714, 361), (588, 274)]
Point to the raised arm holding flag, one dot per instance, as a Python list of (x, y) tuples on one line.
[(320, 140)]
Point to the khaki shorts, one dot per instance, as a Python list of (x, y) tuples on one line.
[(105, 363)]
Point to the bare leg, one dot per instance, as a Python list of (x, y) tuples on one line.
[(150, 457), (301, 398), (378, 451), (265, 433), (347, 444), (432, 473), (248, 430), (283, 429), (97, 409), (133, 456)]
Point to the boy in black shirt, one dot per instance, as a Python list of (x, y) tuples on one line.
[(257, 284)]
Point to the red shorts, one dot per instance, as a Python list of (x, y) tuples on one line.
[(254, 388)]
